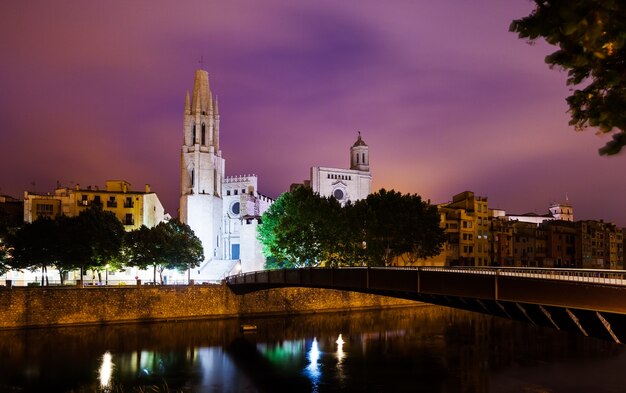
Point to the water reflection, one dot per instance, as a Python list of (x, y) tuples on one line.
[(313, 368), (444, 350), (105, 372), (340, 356)]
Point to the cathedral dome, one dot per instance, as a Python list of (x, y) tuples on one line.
[(359, 142)]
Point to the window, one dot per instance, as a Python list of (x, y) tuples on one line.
[(44, 209), (357, 158), (203, 135), (193, 177), (236, 192), (227, 192), (363, 160), (234, 208), (338, 194), (112, 202), (129, 220), (128, 202), (193, 140)]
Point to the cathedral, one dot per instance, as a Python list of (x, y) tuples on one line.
[(224, 212)]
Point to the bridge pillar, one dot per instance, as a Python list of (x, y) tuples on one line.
[(495, 286), (419, 280)]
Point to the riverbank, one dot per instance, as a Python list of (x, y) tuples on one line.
[(27, 307)]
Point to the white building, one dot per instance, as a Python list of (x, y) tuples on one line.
[(223, 212), (345, 184)]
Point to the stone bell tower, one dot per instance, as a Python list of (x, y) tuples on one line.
[(202, 167), (360, 156)]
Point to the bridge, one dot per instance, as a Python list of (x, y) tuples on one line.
[(590, 302)]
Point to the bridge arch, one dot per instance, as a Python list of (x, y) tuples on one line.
[(590, 302)]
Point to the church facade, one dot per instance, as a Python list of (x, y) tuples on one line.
[(345, 184), (222, 211)]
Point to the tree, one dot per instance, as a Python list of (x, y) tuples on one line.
[(33, 247), (300, 229), (303, 229), (395, 224), (183, 249), (169, 245), (96, 238), (591, 35)]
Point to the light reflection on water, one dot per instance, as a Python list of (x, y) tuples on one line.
[(313, 368), (105, 371), (446, 350)]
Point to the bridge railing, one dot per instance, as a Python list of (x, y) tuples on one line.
[(299, 276)]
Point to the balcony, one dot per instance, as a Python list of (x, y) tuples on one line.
[(129, 204), (111, 203)]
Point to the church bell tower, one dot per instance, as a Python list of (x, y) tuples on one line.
[(202, 167), (360, 156)]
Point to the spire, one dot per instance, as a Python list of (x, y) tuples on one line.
[(201, 91), (187, 103), (217, 111), (210, 102)]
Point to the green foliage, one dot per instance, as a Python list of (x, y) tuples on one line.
[(299, 229), (303, 229), (398, 224), (88, 241), (169, 245), (591, 36), (33, 246), (96, 236)]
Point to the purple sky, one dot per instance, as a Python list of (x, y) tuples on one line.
[(447, 99)]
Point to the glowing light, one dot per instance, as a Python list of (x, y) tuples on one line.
[(106, 370), (313, 369), (340, 353)]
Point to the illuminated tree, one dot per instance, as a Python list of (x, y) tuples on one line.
[(591, 35), (33, 247), (302, 229), (169, 245)]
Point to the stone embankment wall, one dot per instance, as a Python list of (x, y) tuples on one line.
[(39, 307)]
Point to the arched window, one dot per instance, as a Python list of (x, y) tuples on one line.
[(193, 177), (363, 158), (193, 141), (203, 133), (357, 158)]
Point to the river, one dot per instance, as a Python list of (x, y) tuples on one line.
[(418, 349)]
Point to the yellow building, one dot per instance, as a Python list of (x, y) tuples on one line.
[(467, 230), (132, 208)]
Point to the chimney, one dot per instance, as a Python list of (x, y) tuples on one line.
[(147, 188)]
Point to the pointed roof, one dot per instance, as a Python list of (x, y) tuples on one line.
[(201, 91), (187, 103)]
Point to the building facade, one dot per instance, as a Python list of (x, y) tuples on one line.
[(222, 211), (132, 208), (345, 185)]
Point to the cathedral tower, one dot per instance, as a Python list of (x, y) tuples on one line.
[(202, 167), (359, 155)]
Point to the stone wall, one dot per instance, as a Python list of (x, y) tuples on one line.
[(38, 307)]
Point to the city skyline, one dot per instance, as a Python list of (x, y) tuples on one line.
[(447, 99)]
